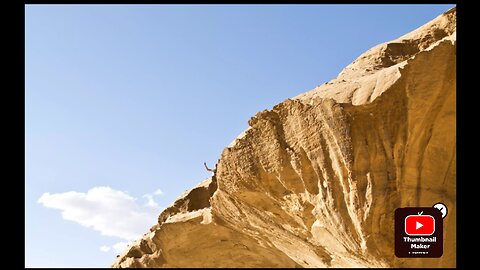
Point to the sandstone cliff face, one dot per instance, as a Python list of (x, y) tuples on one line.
[(314, 182)]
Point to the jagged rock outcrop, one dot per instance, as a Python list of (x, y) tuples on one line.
[(314, 182)]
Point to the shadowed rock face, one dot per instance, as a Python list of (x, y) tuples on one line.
[(314, 182)]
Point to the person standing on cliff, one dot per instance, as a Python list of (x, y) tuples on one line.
[(213, 171)]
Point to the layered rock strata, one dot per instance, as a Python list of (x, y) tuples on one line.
[(314, 182)]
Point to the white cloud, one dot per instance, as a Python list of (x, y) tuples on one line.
[(158, 192), (108, 211), (120, 247), (150, 201), (104, 248)]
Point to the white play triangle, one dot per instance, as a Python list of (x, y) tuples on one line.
[(418, 225)]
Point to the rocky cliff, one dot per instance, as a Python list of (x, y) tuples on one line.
[(314, 182)]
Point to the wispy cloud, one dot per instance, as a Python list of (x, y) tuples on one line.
[(158, 192), (150, 201), (117, 247), (104, 248), (120, 247), (108, 211)]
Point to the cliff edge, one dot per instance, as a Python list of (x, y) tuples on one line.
[(315, 181)]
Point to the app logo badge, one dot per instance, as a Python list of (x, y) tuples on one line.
[(419, 231)]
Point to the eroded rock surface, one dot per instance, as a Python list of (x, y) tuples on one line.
[(314, 182)]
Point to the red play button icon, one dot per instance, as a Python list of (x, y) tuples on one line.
[(419, 225)]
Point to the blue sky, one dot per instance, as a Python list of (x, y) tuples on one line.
[(124, 103)]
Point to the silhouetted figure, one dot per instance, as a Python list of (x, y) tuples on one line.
[(208, 169)]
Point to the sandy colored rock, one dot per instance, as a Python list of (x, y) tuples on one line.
[(314, 182)]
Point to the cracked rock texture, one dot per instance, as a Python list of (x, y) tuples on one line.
[(315, 181)]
